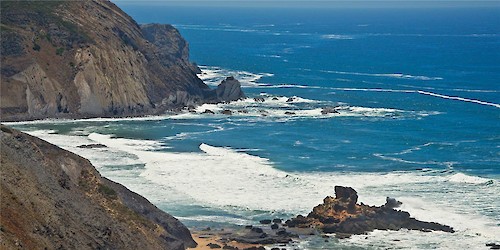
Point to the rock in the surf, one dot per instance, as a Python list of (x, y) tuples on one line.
[(229, 90), (259, 99), (343, 216), (329, 110), (392, 203), (208, 111)]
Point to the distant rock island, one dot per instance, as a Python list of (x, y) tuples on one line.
[(78, 59)]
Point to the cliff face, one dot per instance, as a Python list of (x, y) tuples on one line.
[(54, 199), (87, 59)]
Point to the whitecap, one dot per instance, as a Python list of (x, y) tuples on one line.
[(389, 75), (463, 178), (458, 98), (421, 92), (218, 219), (337, 37), (213, 76)]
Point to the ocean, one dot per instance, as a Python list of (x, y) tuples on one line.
[(416, 95)]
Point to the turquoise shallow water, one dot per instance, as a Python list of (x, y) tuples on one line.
[(417, 95)]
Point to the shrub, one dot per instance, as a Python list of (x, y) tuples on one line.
[(107, 191), (36, 47)]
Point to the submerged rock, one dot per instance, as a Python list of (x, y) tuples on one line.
[(267, 221), (493, 245), (329, 110), (343, 216), (213, 246), (93, 146), (208, 111), (254, 236), (259, 99)]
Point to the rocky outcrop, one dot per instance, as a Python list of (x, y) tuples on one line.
[(329, 110), (343, 216), (54, 199), (227, 91), (89, 59)]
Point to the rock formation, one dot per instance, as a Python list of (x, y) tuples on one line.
[(227, 91), (54, 199), (343, 216), (88, 59)]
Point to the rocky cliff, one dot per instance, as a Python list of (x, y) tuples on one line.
[(54, 199), (88, 59)]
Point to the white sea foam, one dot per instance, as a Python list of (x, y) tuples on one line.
[(456, 98), (218, 219), (432, 35), (269, 56), (105, 156), (389, 75), (459, 98), (264, 25), (293, 108), (99, 119), (463, 178), (224, 28), (476, 90), (213, 76), (337, 37)]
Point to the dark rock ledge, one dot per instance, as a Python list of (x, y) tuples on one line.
[(344, 217)]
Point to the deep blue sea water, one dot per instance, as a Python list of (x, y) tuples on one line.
[(417, 96)]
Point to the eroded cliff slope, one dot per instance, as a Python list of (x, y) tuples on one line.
[(54, 199), (88, 59)]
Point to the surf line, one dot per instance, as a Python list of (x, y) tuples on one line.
[(458, 98), (421, 92)]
